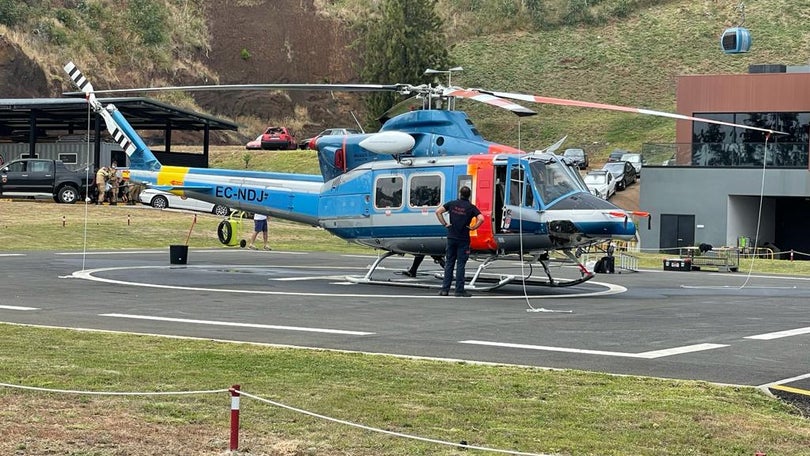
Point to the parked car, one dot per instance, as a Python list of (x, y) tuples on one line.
[(278, 138), (309, 143), (578, 156), (162, 200), (254, 144), (601, 183), (623, 171), (616, 155), (30, 177), (636, 160)]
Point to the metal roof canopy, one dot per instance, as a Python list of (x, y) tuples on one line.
[(34, 115)]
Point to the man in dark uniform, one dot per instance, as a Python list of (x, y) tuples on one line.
[(462, 212)]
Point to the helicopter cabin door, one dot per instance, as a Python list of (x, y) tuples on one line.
[(514, 196)]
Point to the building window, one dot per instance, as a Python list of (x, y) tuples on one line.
[(720, 145), (69, 159)]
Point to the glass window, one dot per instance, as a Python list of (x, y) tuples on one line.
[(40, 167), (388, 192), (516, 184), (69, 159), (425, 190), (552, 180), (16, 167)]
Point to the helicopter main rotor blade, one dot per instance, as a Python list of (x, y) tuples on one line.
[(401, 88), (588, 104), (490, 99)]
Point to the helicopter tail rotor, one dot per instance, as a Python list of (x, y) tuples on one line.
[(122, 132)]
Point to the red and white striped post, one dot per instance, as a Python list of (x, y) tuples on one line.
[(234, 444)]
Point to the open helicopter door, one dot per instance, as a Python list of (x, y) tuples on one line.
[(518, 196)]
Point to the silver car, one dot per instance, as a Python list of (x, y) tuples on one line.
[(636, 160)]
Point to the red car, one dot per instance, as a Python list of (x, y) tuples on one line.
[(278, 138)]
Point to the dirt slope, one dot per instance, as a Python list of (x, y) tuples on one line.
[(283, 41)]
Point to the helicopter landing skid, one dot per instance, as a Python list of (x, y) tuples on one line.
[(481, 280)]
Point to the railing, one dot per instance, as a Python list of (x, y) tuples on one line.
[(724, 259)]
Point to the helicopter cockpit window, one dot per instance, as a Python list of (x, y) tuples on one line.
[(553, 181), (388, 192), (425, 190)]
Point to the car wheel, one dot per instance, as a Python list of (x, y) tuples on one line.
[(222, 211), (160, 202), (67, 194)]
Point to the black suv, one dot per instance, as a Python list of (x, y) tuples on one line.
[(577, 157)]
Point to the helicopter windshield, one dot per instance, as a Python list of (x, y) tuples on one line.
[(552, 179)]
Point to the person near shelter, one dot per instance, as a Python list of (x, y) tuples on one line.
[(259, 226), (461, 214), (101, 183), (134, 192)]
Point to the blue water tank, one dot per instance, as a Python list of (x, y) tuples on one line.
[(736, 40)]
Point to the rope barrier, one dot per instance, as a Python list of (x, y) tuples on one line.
[(235, 393), (383, 431)]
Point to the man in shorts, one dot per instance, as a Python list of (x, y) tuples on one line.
[(259, 226)]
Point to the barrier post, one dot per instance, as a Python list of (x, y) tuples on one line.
[(234, 442), (791, 254)]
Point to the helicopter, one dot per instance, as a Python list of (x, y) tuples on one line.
[(381, 189)]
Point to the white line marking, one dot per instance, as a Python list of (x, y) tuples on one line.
[(332, 350), (325, 277), (11, 254), (240, 325), (785, 380), (18, 308), (780, 334), (88, 274), (163, 252), (644, 355)]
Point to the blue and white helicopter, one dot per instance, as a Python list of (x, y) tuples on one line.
[(381, 189)]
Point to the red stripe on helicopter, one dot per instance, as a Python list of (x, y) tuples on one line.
[(502, 149), (481, 169)]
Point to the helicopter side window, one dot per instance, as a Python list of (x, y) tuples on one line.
[(425, 190), (517, 184), (388, 192)]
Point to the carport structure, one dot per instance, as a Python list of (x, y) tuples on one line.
[(32, 119)]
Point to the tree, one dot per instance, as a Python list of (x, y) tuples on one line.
[(400, 40)]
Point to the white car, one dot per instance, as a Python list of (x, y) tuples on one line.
[(162, 200), (601, 183), (635, 160)]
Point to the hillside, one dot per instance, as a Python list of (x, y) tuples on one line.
[(626, 52)]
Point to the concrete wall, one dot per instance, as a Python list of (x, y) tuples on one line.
[(725, 201)]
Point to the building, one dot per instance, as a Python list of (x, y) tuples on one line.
[(709, 191), (64, 128)]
